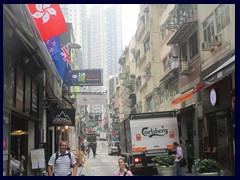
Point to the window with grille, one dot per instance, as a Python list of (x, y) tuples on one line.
[(222, 16), (193, 45), (208, 29)]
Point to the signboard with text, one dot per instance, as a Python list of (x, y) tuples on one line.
[(87, 77), (60, 117)]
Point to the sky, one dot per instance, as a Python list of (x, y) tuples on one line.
[(129, 21)]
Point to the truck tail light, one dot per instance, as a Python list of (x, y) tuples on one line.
[(137, 160)]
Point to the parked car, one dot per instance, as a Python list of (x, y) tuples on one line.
[(113, 147)]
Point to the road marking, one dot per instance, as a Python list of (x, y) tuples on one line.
[(86, 167)]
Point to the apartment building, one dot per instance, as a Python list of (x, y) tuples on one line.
[(185, 61)]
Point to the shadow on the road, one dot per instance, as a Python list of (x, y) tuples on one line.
[(147, 172)]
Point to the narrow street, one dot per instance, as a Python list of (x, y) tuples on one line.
[(154, 83), (102, 164)]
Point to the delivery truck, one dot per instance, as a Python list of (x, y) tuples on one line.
[(92, 138), (146, 135)]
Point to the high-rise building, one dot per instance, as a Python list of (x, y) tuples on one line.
[(104, 41), (114, 37), (99, 32)]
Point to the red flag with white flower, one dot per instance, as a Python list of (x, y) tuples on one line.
[(48, 19)]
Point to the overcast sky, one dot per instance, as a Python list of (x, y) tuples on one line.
[(129, 21)]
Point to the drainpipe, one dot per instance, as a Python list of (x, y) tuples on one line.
[(44, 121)]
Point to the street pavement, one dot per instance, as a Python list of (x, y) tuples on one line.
[(86, 170)]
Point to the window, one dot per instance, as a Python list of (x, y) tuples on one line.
[(173, 87), (162, 95), (183, 50), (163, 32), (222, 17), (149, 104), (166, 64), (193, 45), (208, 29)]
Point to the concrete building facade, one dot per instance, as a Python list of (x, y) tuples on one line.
[(184, 54)]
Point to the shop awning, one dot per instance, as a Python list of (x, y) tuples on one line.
[(182, 98), (199, 87), (222, 71)]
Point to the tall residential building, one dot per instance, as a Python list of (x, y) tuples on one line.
[(114, 37), (99, 32), (104, 41), (96, 25)]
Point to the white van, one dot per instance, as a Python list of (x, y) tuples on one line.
[(113, 147)]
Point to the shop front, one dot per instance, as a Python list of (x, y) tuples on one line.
[(217, 108)]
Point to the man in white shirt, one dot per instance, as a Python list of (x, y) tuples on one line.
[(62, 161), (178, 156)]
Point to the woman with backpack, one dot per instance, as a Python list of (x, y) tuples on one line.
[(122, 169)]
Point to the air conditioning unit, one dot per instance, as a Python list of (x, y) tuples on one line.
[(184, 68), (217, 40), (206, 47)]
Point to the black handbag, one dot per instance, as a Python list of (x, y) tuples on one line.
[(16, 173), (183, 162)]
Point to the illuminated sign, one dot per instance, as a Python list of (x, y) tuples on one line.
[(87, 77)]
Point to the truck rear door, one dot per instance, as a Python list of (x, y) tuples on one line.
[(153, 133)]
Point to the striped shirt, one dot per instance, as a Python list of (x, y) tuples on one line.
[(62, 166)]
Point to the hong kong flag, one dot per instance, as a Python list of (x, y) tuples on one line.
[(48, 19)]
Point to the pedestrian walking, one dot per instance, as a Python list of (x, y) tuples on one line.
[(122, 169), (94, 150), (62, 161), (178, 156), (88, 151), (16, 166), (190, 155), (119, 149)]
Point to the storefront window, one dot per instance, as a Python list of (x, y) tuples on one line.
[(218, 128)]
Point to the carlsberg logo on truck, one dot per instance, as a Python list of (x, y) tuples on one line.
[(150, 132)]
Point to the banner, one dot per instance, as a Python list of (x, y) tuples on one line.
[(91, 99)]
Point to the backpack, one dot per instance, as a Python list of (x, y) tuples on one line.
[(57, 155)]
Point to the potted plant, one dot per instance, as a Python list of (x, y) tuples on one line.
[(165, 165), (207, 167)]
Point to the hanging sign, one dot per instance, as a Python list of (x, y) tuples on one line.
[(60, 117)]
